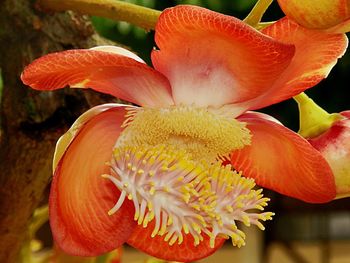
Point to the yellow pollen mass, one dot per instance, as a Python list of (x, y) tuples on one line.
[(203, 133)]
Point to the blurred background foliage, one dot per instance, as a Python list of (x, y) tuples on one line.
[(328, 94)]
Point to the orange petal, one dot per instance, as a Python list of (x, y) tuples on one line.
[(281, 160), (315, 55), (322, 14), (214, 59), (65, 140), (157, 247), (80, 198), (106, 72)]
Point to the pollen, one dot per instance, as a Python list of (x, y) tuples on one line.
[(204, 133), (206, 203)]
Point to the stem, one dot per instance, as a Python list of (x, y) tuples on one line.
[(257, 12), (313, 119), (143, 17), (262, 25), (40, 217)]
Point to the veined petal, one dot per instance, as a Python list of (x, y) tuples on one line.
[(281, 160), (106, 72), (157, 247), (323, 14), (65, 140), (80, 198), (212, 59), (316, 53)]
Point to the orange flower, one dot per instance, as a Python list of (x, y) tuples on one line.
[(330, 15), (163, 189)]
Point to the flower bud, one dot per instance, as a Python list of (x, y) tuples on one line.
[(330, 15), (334, 144)]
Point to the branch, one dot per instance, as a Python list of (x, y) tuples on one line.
[(31, 122), (143, 17)]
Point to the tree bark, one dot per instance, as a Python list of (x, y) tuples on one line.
[(31, 121)]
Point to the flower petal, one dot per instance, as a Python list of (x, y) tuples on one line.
[(106, 72), (80, 198), (259, 115), (346, 114), (65, 140), (281, 160), (321, 15), (186, 252), (119, 51), (316, 53), (212, 59)]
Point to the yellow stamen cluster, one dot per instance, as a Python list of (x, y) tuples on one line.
[(161, 182), (237, 201), (204, 134), (185, 197)]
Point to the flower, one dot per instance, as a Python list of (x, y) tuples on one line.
[(164, 156), (334, 145), (330, 15), (329, 134)]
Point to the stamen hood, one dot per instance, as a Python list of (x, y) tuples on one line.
[(203, 132)]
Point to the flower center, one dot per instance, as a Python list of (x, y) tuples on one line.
[(184, 196), (203, 133)]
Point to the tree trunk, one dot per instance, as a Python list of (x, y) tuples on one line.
[(31, 121)]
